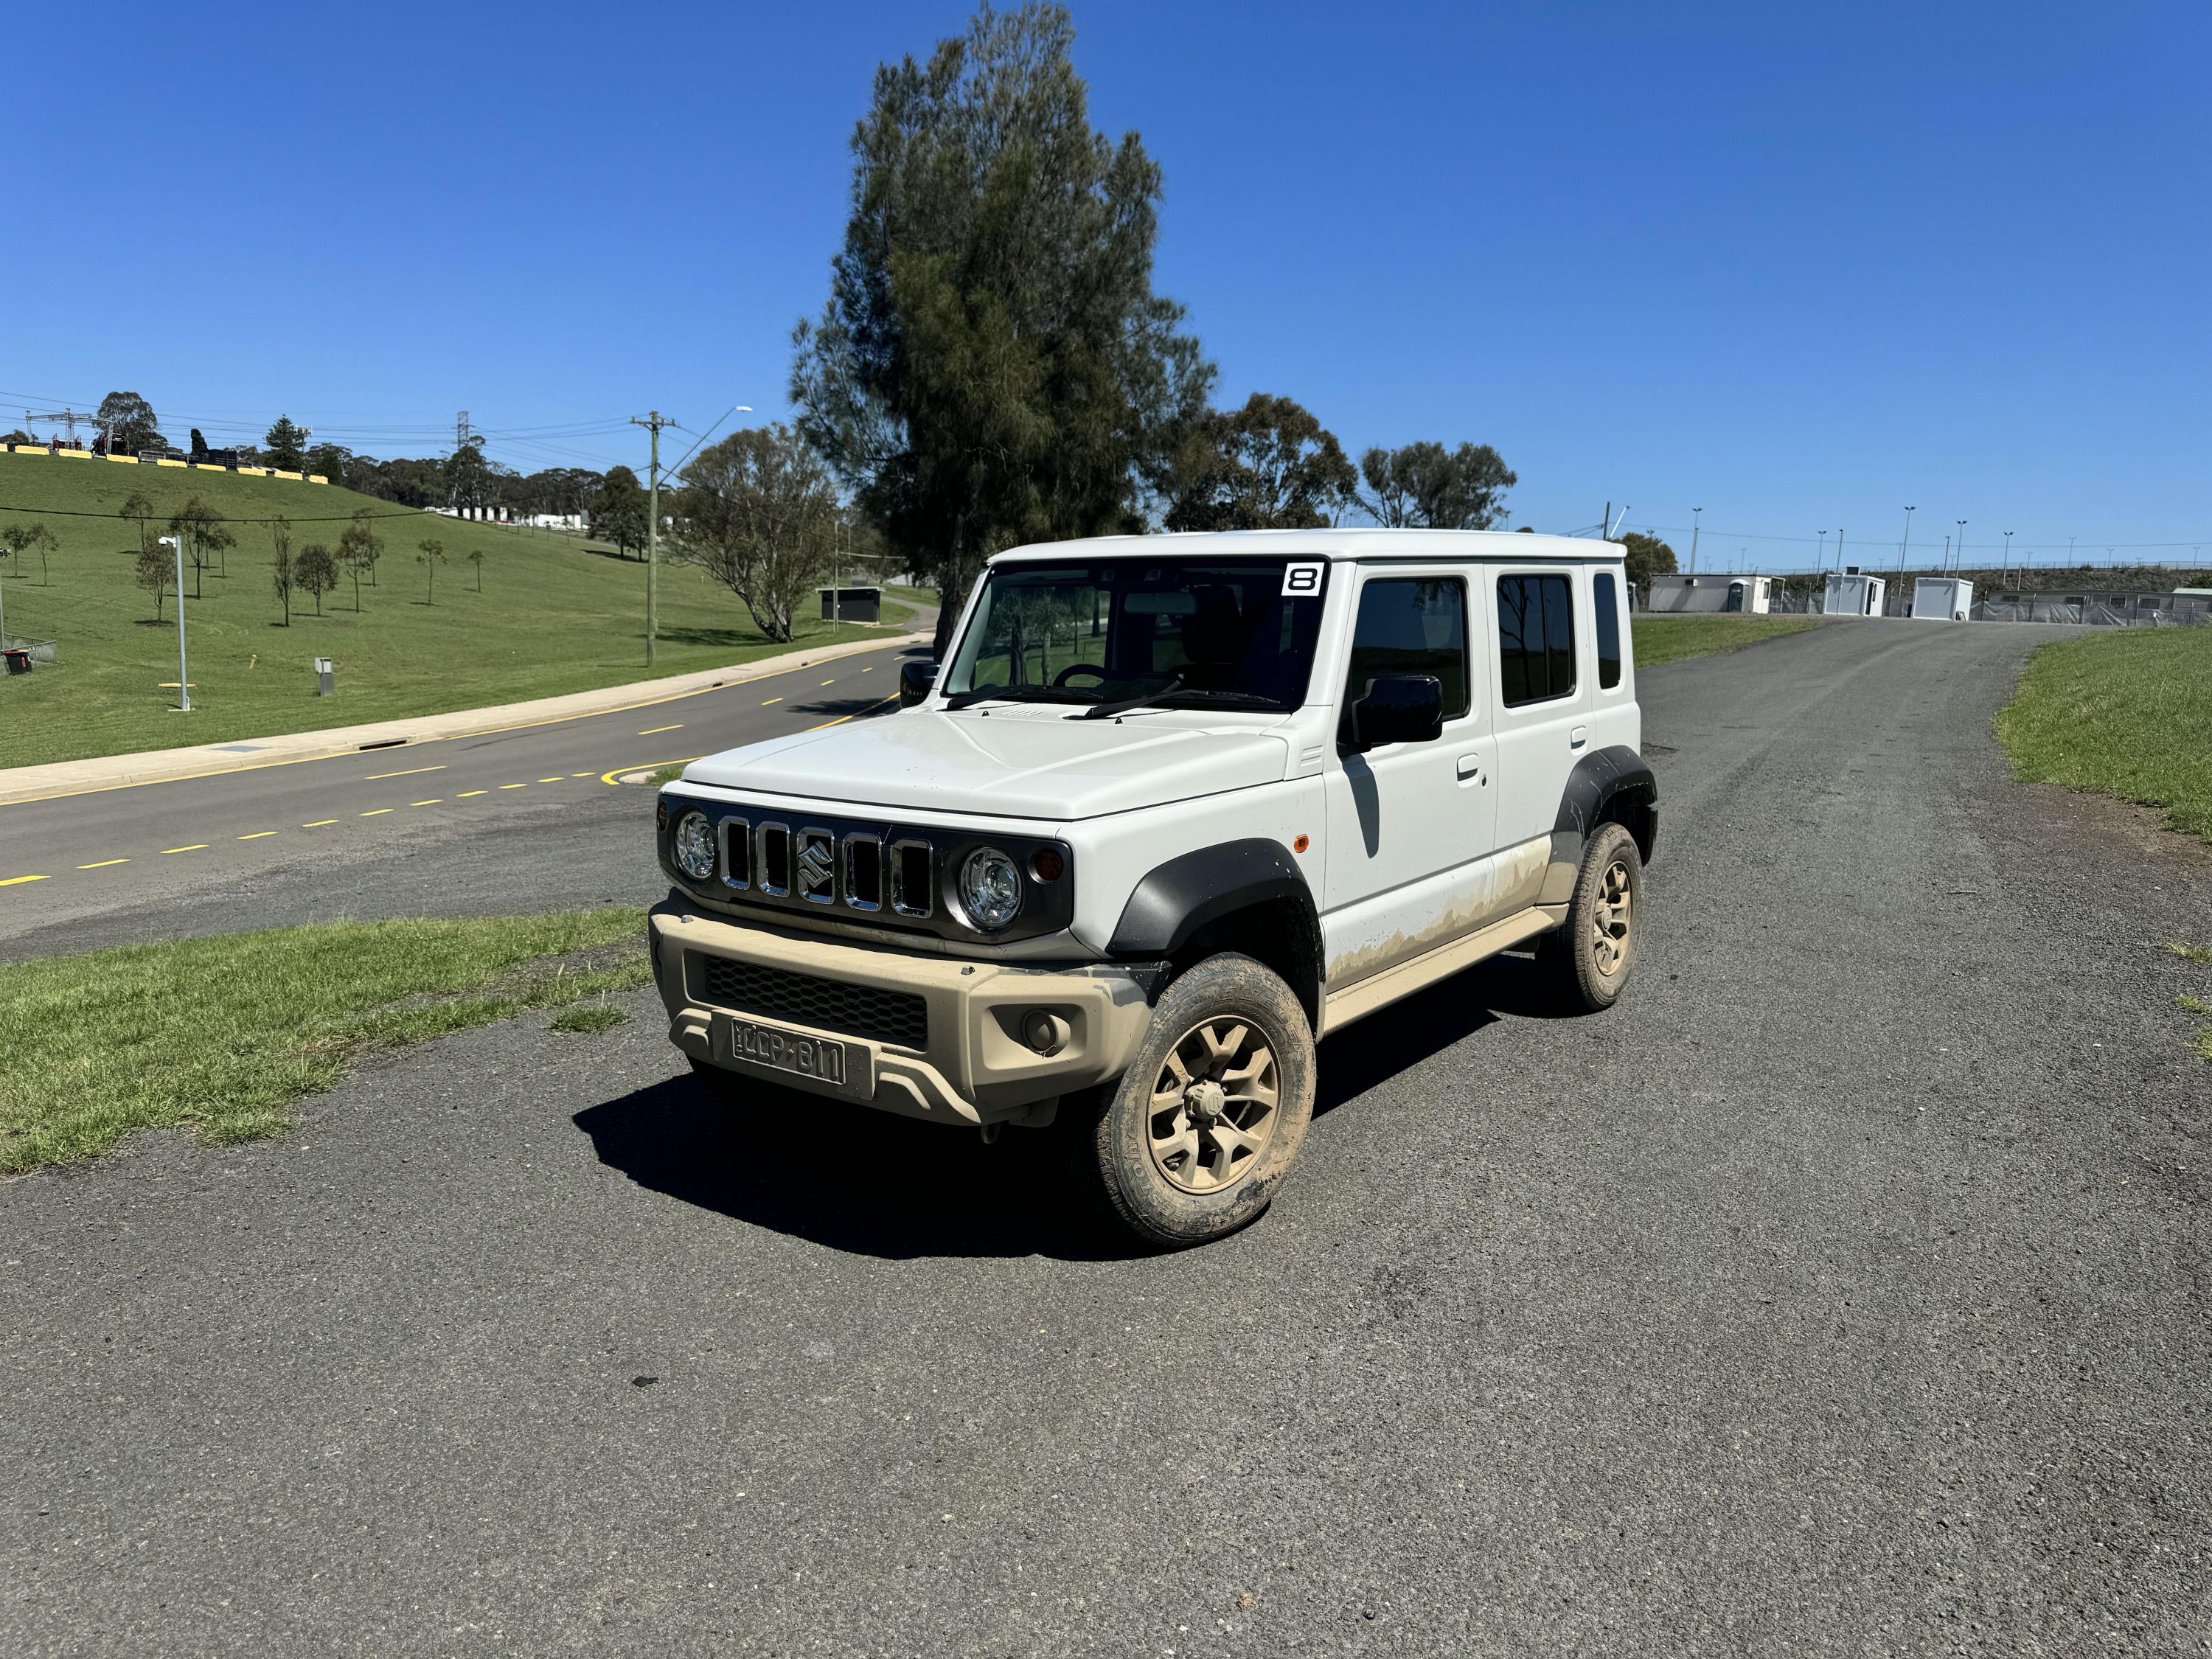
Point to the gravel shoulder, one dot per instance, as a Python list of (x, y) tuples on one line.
[(1842, 1290)]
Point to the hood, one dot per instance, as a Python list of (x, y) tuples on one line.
[(1012, 762)]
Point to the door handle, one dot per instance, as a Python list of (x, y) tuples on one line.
[(1578, 737), (1470, 766)]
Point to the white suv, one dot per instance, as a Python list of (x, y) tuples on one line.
[(1176, 806)]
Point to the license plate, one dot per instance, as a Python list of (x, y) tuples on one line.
[(819, 1058)]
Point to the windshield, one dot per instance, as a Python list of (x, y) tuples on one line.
[(1187, 633)]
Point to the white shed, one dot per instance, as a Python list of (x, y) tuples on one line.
[(1720, 591), (1851, 594), (1942, 598)]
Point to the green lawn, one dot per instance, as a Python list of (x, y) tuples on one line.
[(554, 615), (2127, 712), (223, 1035), (1670, 638)]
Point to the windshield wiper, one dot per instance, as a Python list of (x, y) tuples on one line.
[(1009, 693), (1099, 711)]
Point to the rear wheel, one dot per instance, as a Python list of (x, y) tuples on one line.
[(1192, 1141), (1590, 957)]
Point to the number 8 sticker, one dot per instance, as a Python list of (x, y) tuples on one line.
[(1302, 581)]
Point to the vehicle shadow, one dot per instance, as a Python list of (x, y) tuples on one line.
[(850, 1177), (1378, 1048)]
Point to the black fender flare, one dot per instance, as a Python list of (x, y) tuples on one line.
[(1179, 897), (1602, 782)]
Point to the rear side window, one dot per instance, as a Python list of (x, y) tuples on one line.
[(1415, 626), (1536, 639), (1608, 630)]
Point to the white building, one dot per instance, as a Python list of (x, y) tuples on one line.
[(1721, 592), (1942, 598), (1851, 594)]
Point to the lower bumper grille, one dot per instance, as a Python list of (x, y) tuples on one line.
[(860, 1011)]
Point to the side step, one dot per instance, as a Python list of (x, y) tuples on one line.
[(1339, 1008)]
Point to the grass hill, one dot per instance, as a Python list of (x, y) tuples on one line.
[(555, 615)]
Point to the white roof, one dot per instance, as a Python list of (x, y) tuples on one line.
[(1355, 543)]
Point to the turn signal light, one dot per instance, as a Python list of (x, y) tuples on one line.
[(1047, 864)]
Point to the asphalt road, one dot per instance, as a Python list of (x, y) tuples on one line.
[(1842, 1290), (355, 832)]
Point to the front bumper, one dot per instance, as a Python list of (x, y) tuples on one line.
[(971, 1067)]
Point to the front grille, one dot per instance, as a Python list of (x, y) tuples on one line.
[(862, 1011)]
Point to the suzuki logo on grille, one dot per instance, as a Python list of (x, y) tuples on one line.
[(817, 865)]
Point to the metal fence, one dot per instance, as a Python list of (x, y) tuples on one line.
[(2081, 609)]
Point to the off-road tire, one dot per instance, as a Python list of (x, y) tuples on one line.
[(1116, 1133), (1587, 974)]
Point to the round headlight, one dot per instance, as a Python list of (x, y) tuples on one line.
[(990, 889), (695, 846)]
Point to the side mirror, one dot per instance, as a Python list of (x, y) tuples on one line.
[(1399, 708), (916, 678)]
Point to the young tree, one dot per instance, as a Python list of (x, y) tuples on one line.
[(359, 549), (136, 506), (1426, 486), (476, 558), (282, 445), (433, 555), (315, 572), (993, 366), (204, 537), (22, 540), (199, 449), (757, 512), (155, 572), (280, 537), (618, 511), (1269, 465), (129, 420)]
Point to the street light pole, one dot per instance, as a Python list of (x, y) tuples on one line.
[(1820, 557), (1906, 543), (1696, 519), (653, 421), (2005, 574), (1961, 548), (184, 680)]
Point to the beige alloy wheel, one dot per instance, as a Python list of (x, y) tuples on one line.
[(1192, 1139), (1590, 958), (1611, 917), (1214, 1106)]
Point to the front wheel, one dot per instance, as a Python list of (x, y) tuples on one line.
[(1590, 956), (1192, 1139)]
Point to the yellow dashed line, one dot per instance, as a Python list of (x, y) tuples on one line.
[(554, 779), (514, 786), (870, 668), (466, 793), (435, 800), (651, 730), (318, 824), (772, 700), (376, 811), (373, 776), (829, 682), (102, 864), (17, 881), (257, 834), (197, 846), (583, 774)]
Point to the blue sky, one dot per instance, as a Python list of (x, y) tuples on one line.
[(1797, 265)]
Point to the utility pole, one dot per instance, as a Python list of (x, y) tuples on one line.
[(1696, 519), (1906, 543), (652, 422), (184, 680)]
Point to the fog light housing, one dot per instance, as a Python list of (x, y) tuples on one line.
[(1045, 1032), (694, 845)]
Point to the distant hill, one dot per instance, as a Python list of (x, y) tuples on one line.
[(555, 615)]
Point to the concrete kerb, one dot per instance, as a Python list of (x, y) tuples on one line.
[(26, 783)]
